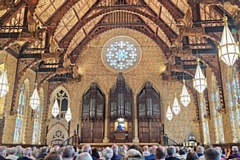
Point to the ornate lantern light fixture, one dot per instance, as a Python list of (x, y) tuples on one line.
[(68, 115), (199, 81), (176, 107), (4, 87), (55, 109), (169, 114), (35, 99), (185, 97)]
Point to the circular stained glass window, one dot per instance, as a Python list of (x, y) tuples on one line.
[(121, 54)]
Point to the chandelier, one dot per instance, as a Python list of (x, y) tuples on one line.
[(34, 100), (185, 97), (199, 81), (228, 50), (169, 114), (4, 87), (55, 109), (68, 115), (176, 107)]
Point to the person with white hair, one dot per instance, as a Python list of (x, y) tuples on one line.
[(12, 154), (107, 153), (87, 148), (84, 156), (235, 153), (200, 151), (115, 156), (43, 152), (68, 153), (146, 151), (27, 154), (3, 152)]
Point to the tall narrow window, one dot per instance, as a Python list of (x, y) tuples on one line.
[(20, 114), (62, 99)]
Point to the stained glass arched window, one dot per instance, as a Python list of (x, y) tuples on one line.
[(20, 114)]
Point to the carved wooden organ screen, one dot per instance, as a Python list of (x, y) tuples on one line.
[(93, 109), (149, 114)]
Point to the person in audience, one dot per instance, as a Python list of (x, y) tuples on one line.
[(235, 153), (12, 154), (171, 151), (115, 156), (95, 153), (107, 153), (35, 153), (133, 153), (191, 156), (152, 155), (87, 148), (146, 151), (43, 153), (3, 152), (206, 146), (182, 154), (212, 154), (177, 151), (53, 156), (124, 148), (19, 151), (84, 156), (68, 153), (219, 149), (200, 151), (27, 154), (161, 153)]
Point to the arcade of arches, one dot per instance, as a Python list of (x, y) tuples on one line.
[(117, 62)]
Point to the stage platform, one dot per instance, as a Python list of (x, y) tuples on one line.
[(102, 145)]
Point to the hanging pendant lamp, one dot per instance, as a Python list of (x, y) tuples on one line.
[(169, 114), (4, 87), (185, 97), (68, 115), (176, 107), (228, 49), (55, 109), (199, 81), (35, 99)]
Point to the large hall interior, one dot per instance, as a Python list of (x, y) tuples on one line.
[(119, 71)]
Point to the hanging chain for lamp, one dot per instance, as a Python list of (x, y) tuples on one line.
[(4, 86), (228, 49)]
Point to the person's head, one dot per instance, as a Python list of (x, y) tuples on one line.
[(87, 148), (35, 153), (3, 151), (200, 149), (95, 153), (124, 147), (68, 152), (212, 154), (13, 151), (206, 146), (136, 147), (160, 153), (19, 149), (53, 156), (177, 149), (115, 149), (84, 156), (191, 156), (234, 149), (107, 153), (182, 151), (27, 152), (44, 150), (145, 148), (154, 149), (171, 151), (219, 149)]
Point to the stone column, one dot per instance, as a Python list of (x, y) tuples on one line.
[(105, 140), (80, 119), (135, 121)]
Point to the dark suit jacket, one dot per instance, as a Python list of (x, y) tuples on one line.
[(116, 157), (24, 158)]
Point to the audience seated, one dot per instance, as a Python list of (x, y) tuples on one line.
[(53, 156), (3, 152), (27, 154), (146, 151), (191, 156), (200, 151), (107, 153), (212, 154), (171, 151), (115, 156), (87, 148), (161, 153), (68, 153), (235, 153), (152, 155), (43, 153), (12, 154)]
